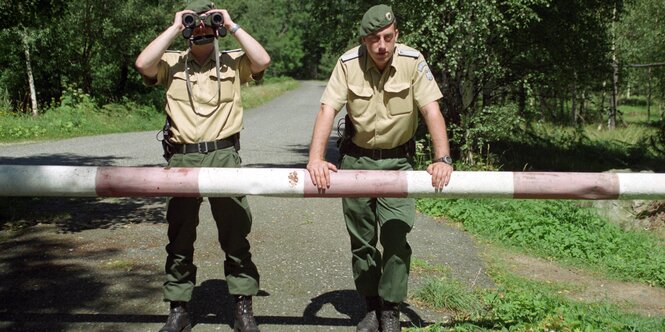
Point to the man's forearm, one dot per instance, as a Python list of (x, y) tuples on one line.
[(436, 126), (258, 57), (146, 63), (321, 133)]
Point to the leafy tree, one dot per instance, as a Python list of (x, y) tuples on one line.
[(640, 36), (23, 22)]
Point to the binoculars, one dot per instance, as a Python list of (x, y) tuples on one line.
[(191, 21)]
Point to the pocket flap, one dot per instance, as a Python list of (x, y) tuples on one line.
[(224, 75), (396, 87), (182, 76), (361, 90)]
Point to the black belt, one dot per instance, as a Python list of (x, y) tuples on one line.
[(401, 151), (205, 147)]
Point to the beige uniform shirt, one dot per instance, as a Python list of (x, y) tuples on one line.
[(383, 106), (217, 113)]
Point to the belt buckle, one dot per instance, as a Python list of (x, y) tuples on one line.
[(205, 144)]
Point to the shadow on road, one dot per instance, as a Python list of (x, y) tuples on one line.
[(49, 282), (212, 304)]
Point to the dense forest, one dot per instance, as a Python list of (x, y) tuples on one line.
[(500, 63)]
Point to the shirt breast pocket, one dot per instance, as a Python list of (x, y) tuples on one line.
[(225, 86), (398, 98), (359, 98), (178, 88)]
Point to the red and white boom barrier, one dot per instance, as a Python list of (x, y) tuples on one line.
[(75, 181)]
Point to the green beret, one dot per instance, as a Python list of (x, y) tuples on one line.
[(200, 6), (375, 19)]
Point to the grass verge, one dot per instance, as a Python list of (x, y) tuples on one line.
[(561, 230), (518, 304), (76, 115)]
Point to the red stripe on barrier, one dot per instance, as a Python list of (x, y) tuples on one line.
[(359, 183), (540, 185), (140, 181)]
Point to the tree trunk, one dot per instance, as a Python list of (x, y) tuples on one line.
[(28, 69), (521, 101), (649, 99), (573, 105), (612, 116), (583, 107)]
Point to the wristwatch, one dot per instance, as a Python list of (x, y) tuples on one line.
[(234, 28), (446, 159)]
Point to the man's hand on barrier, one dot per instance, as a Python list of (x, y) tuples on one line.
[(440, 173), (319, 172)]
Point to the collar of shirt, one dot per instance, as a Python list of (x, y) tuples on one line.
[(369, 63), (191, 59)]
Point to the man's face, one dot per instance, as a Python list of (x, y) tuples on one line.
[(381, 45), (203, 35), (202, 30)]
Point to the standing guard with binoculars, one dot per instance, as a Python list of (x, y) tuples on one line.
[(204, 119)]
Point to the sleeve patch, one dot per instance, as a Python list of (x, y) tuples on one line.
[(422, 65)]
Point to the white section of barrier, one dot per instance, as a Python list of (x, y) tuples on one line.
[(220, 182), (57, 181), (641, 186), (463, 185)]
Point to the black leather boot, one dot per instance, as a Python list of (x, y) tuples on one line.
[(390, 317), (179, 320), (244, 315), (371, 321)]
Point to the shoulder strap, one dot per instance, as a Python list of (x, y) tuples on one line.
[(409, 53)]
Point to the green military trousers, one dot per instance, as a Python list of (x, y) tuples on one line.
[(234, 222), (387, 220)]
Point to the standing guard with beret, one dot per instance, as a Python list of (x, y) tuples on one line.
[(205, 115), (383, 85)]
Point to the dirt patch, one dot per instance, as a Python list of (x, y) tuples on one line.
[(653, 213), (630, 296)]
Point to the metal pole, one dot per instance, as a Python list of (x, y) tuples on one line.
[(87, 181)]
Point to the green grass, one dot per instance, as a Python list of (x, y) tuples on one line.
[(518, 304), (634, 109), (76, 115), (559, 229), (548, 147), (256, 95)]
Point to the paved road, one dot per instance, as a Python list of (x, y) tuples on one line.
[(96, 264)]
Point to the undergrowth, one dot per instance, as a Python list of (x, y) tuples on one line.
[(559, 229)]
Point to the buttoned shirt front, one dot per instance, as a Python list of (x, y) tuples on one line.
[(383, 106), (211, 111)]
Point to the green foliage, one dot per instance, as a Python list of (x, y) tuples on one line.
[(520, 305), (77, 114), (544, 147), (560, 229), (448, 294), (523, 305), (480, 128), (640, 41), (658, 139)]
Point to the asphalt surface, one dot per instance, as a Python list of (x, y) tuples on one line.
[(97, 264)]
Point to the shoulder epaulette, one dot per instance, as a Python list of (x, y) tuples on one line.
[(410, 53), (232, 51), (355, 53)]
